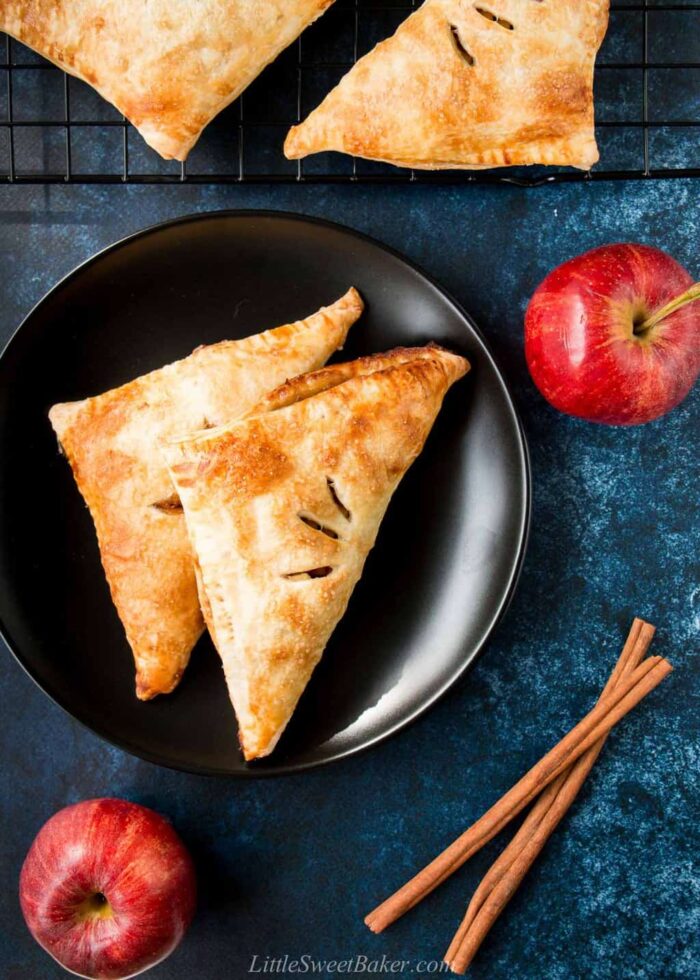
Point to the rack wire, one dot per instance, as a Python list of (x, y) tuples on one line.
[(56, 129)]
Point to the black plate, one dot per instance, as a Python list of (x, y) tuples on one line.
[(449, 550)]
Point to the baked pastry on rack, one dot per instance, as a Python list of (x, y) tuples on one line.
[(469, 84), (112, 444), (283, 507), (169, 66)]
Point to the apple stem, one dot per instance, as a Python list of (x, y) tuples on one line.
[(689, 296)]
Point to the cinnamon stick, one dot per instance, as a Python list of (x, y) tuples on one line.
[(630, 690), (505, 875)]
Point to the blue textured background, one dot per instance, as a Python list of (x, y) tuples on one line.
[(291, 865)]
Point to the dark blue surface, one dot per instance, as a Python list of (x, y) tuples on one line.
[(292, 865)]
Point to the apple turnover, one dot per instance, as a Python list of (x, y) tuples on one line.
[(284, 505), (469, 84), (112, 444), (169, 66)]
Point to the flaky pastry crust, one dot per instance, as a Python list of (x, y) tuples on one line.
[(283, 508), (112, 443), (169, 66), (469, 84)]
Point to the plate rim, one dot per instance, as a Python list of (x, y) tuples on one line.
[(253, 772)]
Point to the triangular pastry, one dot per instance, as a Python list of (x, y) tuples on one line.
[(112, 441), (469, 84), (168, 65), (283, 508)]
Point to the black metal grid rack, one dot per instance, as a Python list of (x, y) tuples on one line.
[(55, 129)]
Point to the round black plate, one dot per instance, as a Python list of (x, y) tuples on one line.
[(448, 553)]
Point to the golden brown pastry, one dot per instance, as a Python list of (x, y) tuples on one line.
[(169, 65), (469, 84), (112, 441), (283, 507)]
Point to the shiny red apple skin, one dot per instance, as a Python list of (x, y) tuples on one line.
[(580, 344), (127, 853)]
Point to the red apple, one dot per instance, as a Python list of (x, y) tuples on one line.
[(614, 335), (107, 888)]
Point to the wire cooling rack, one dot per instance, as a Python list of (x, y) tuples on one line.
[(56, 129)]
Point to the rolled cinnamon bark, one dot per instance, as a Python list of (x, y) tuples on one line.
[(505, 875), (630, 690)]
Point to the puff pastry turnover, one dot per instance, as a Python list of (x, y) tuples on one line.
[(283, 508), (168, 65), (112, 441), (469, 84)]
